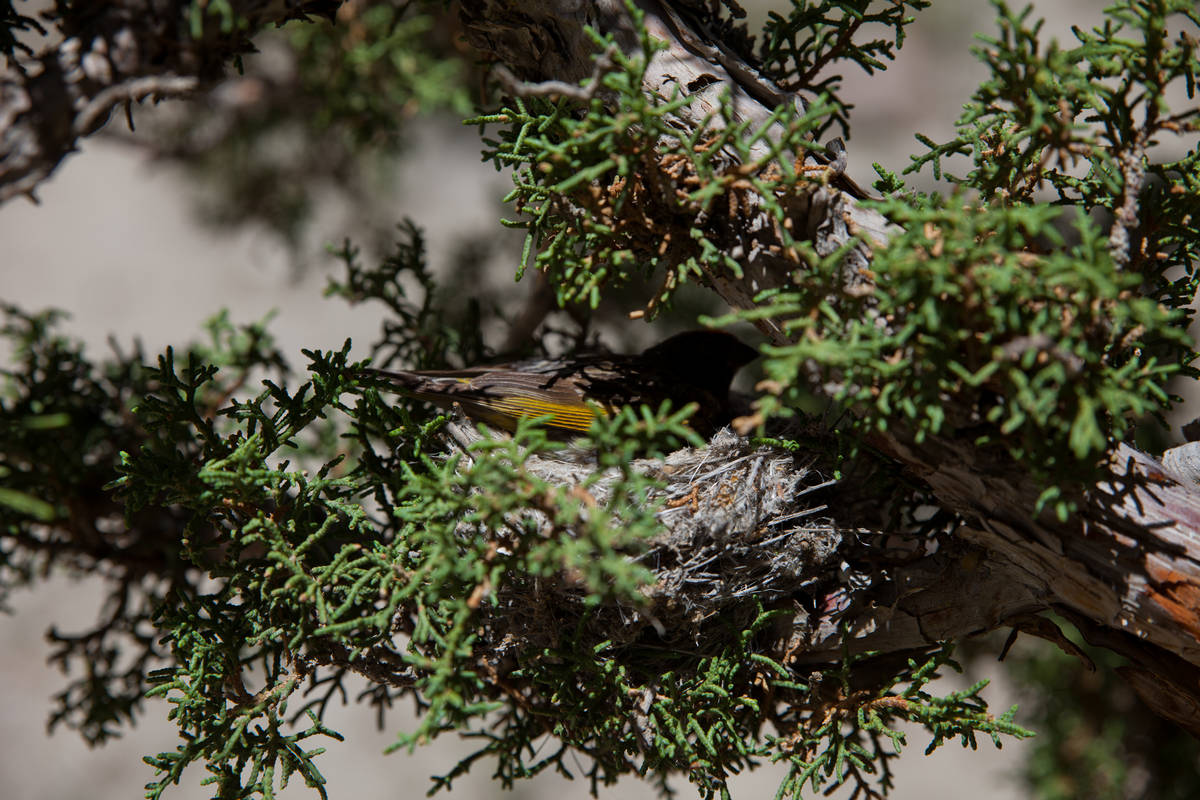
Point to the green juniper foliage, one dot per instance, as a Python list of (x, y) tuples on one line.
[(589, 184), (800, 48), (387, 559), (261, 548), (1047, 349), (65, 422), (1048, 346), (1050, 353), (1093, 125)]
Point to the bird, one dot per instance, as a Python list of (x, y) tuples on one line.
[(695, 366)]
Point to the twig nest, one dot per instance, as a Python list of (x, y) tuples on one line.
[(740, 520)]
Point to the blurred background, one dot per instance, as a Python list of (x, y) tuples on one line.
[(137, 238)]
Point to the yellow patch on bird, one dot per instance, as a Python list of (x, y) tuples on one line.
[(578, 418)]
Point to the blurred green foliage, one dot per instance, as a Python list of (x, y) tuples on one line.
[(1095, 737), (325, 106)]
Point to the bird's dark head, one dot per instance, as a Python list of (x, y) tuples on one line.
[(704, 358)]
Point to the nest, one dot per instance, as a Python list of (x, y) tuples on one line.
[(744, 527)]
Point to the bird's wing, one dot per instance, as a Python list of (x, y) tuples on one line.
[(525, 394), (498, 396)]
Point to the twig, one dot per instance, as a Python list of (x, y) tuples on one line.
[(137, 90), (581, 94), (1133, 171)]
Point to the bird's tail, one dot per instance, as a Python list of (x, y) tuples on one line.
[(396, 379)]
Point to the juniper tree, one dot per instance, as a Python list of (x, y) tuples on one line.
[(982, 359)]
